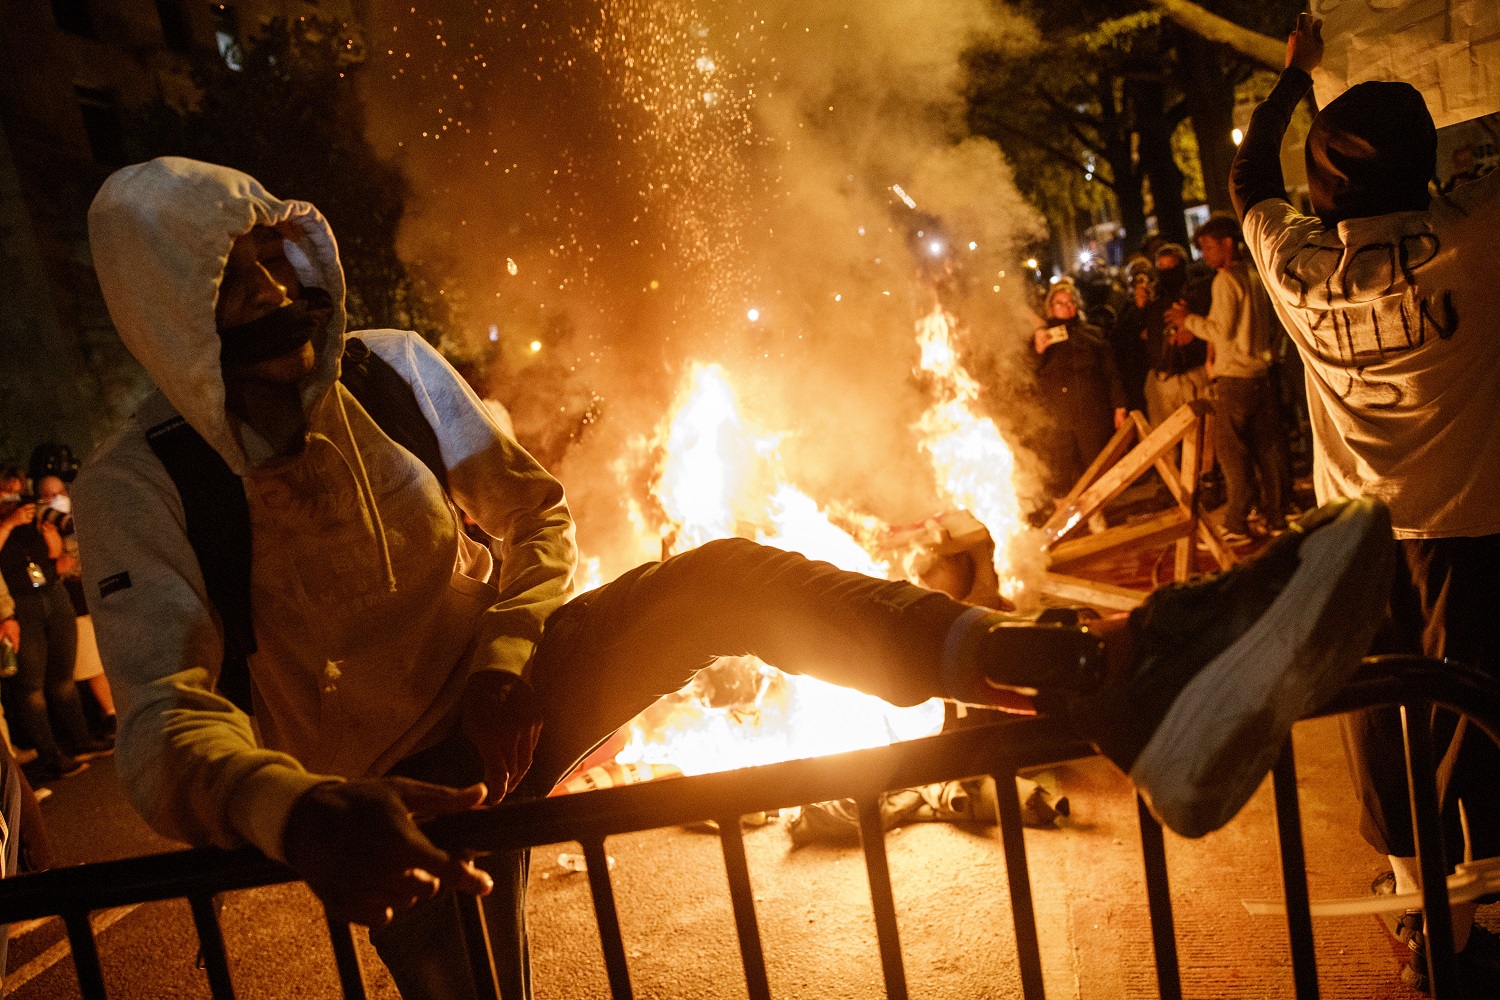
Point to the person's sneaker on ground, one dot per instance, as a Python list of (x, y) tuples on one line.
[(1476, 969), (25, 755), (106, 727), (1408, 943), (1223, 666), (1235, 536), (42, 793), (58, 766), (93, 748)]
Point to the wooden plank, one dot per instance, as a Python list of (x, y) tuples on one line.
[(1099, 595), (1158, 529), (1192, 474), (1183, 485), (1208, 533), (1117, 448), (1126, 471)]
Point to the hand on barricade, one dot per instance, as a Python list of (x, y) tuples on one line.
[(357, 846), (503, 719)]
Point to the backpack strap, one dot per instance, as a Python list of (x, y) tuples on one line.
[(389, 400), (218, 515), (218, 528)]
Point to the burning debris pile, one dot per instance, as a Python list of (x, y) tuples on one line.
[(733, 213), (713, 475)]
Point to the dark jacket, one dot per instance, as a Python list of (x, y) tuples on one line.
[(1078, 378)]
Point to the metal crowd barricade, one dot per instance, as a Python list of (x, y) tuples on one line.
[(1000, 751)]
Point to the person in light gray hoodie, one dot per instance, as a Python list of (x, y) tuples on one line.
[(398, 672), (1393, 300)]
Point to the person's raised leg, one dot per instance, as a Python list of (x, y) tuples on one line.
[(612, 652)]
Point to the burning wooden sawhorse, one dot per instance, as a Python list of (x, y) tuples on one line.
[(1131, 453)]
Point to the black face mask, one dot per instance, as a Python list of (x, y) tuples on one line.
[(276, 333), (1171, 281)]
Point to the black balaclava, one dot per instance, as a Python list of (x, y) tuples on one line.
[(1371, 152), (276, 333)]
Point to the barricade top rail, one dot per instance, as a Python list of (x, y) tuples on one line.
[(1007, 746)]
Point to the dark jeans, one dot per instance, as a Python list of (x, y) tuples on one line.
[(1080, 436), (612, 652), (1250, 438), (1443, 604), (44, 678)]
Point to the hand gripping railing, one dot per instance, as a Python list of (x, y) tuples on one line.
[(1000, 751)]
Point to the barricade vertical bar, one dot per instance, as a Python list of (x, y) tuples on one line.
[(1018, 877), (85, 954), (877, 868), (743, 900), (477, 938), (211, 946), (1159, 903), (608, 918), (1294, 875), (1427, 827), (346, 960)]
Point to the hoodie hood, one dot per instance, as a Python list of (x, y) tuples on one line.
[(160, 233), (1371, 152)]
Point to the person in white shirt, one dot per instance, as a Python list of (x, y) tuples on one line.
[(1392, 297), (1248, 429)]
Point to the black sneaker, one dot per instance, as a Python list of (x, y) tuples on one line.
[(93, 748), (1225, 665), (55, 768), (1408, 942)]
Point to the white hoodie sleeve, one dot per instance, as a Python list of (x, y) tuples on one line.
[(188, 757), (497, 483)]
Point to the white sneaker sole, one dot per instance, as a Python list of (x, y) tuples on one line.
[(1226, 728)]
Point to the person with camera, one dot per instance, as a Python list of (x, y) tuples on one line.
[(47, 637)]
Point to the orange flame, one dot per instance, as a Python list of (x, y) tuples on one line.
[(719, 477), (974, 466)]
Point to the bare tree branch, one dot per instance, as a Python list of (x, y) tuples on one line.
[(1051, 152), (1253, 45)]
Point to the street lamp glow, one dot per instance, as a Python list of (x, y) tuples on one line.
[(1237, 136), (1031, 263), (753, 315), (536, 345), (1085, 258), (935, 248), (973, 245)]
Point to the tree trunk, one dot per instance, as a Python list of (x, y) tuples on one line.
[(1269, 52), (1209, 93), (1122, 167), (1149, 101)]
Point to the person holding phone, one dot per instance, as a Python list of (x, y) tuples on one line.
[(48, 638), (1078, 382)]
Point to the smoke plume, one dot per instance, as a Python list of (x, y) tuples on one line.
[(613, 190)]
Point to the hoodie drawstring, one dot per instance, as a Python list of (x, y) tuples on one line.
[(361, 478)]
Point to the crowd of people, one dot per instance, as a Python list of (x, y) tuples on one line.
[(49, 630), (1165, 330)]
